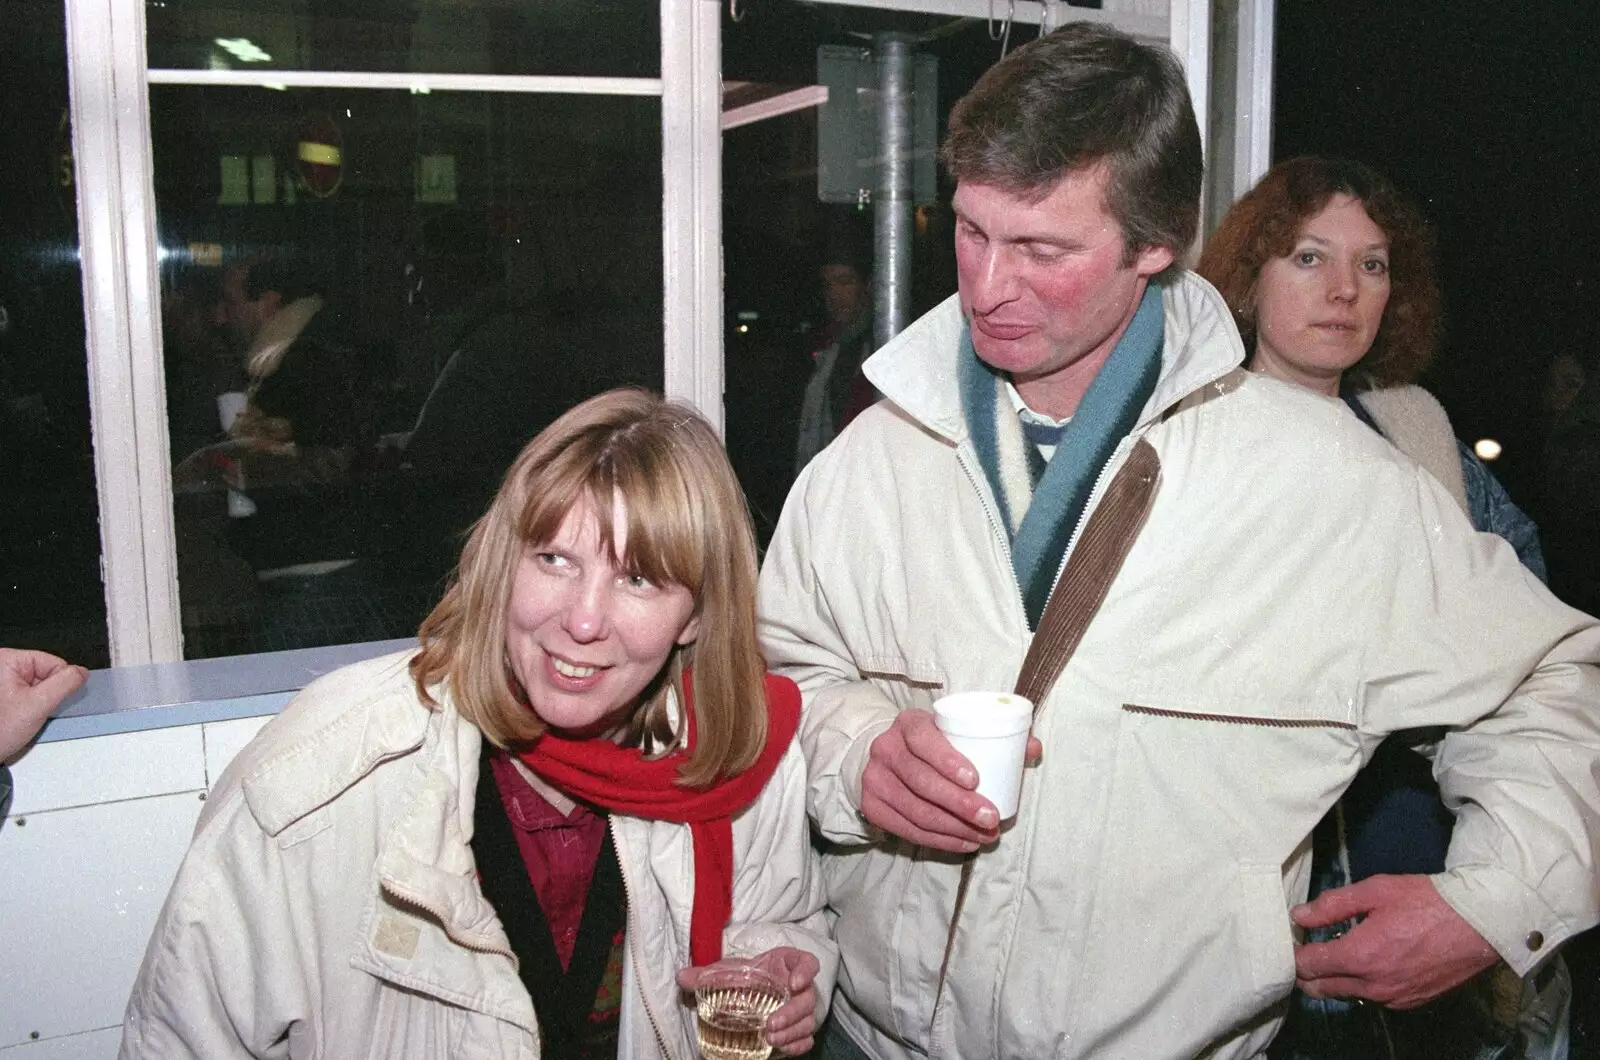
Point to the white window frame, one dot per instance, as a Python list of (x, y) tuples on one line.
[(1252, 141), (1239, 146), (122, 322), (109, 77)]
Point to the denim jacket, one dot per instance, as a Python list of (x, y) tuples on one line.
[(1492, 511)]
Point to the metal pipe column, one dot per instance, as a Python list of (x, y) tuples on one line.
[(891, 199)]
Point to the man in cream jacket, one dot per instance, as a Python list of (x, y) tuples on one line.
[(1297, 591)]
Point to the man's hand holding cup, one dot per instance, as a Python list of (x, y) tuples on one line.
[(919, 785)]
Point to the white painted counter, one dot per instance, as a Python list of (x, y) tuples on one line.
[(104, 806)]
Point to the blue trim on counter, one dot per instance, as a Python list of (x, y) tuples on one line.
[(166, 695)]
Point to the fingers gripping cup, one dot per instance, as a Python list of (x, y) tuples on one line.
[(991, 729)]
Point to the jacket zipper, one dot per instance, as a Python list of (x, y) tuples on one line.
[(443, 921), (633, 943), (1004, 538), (1095, 493), (934, 1040), (998, 528), (1240, 719)]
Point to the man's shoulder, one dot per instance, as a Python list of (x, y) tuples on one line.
[(1266, 435), (1294, 415), (884, 441)]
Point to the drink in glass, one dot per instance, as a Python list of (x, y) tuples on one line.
[(733, 1003)]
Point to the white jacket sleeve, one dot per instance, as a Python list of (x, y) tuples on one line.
[(1474, 643), (778, 895), (212, 987), (842, 712)]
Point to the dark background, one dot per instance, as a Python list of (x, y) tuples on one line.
[(1483, 112)]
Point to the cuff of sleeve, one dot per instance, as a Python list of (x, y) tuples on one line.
[(1510, 915), (855, 760), (836, 755)]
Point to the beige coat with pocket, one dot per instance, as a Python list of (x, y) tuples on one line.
[(1300, 590), (329, 906)]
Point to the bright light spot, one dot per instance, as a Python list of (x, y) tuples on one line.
[(420, 90), (743, 328), (1487, 449), (347, 112), (241, 49), (276, 86)]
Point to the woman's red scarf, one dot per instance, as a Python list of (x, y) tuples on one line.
[(622, 780)]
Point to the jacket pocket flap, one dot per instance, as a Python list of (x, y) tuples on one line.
[(1243, 714), (915, 673)]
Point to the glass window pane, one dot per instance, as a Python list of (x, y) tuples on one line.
[(596, 38), (51, 596), (372, 300), (798, 220)]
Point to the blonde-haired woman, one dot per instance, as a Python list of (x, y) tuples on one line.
[(531, 835)]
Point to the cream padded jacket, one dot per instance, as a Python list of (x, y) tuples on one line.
[(1301, 589), (329, 907)]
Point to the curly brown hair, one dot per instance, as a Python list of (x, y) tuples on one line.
[(1265, 223)]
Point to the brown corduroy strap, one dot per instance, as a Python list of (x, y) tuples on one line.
[(1092, 567)]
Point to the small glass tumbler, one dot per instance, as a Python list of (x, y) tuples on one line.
[(733, 1002)]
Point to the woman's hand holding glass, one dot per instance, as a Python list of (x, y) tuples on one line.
[(791, 1028)]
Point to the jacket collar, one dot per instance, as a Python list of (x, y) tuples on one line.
[(426, 858), (919, 369)]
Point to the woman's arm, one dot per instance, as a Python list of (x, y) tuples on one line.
[(218, 980)]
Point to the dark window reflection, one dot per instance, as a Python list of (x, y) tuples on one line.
[(51, 596), (799, 268), (372, 301), (595, 38)]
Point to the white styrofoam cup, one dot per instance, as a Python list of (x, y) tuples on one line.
[(229, 405), (991, 730)]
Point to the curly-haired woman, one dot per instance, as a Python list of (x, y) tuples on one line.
[(1328, 270)]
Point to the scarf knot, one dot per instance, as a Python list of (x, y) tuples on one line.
[(622, 780)]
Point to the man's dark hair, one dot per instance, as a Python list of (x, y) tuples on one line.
[(291, 277), (1083, 96), (848, 242)]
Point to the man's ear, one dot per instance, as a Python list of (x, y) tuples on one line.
[(1152, 259)]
